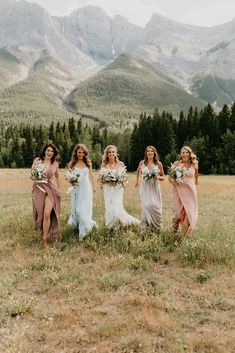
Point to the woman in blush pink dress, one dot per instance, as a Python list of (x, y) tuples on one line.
[(184, 195), (46, 193)]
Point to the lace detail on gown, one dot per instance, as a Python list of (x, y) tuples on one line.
[(115, 214)]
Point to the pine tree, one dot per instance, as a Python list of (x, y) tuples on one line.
[(27, 148)]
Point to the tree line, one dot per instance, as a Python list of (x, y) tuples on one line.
[(211, 135)]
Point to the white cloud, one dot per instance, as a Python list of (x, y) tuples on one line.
[(214, 13), (200, 12)]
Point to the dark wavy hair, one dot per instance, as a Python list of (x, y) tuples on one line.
[(155, 158), (56, 154), (74, 157)]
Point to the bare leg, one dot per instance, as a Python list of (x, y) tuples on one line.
[(185, 225), (46, 219), (175, 224)]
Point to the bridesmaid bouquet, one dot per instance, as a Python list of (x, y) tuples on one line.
[(38, 173), (114, 176), (73, 177), (177, 172), (150, 174)]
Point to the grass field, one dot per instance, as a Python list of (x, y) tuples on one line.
[(121, 293)]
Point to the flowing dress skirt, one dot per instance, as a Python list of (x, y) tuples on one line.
[(81, 205), (39, 193), (151, 202), (185, 201), (115, 214)]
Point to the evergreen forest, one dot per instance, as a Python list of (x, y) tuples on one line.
[(210, 134)]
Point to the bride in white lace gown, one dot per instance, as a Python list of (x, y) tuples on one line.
[(81, 177), (112, 175)]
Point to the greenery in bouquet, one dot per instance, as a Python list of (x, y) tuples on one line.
[(177, 172), (114, 176), (149, 174)]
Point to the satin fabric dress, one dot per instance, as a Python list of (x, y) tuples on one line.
[(151, 203), (81, 204), (40, 191), (185, 200), (115, 214)]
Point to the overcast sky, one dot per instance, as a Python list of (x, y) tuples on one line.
[(196, 12)]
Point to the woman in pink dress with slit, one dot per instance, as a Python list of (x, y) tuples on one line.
[(184, 194), (46, 193)]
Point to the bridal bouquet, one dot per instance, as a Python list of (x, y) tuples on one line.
[(150, 174), (38, 173), (73, 177), (115, 176), (177, 172)]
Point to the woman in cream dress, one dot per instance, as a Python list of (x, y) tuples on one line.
[(115, 214)]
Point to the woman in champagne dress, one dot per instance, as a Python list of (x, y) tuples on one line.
[(112, 177), (81, 191), (149, 173), (46, 193), (184, 194)]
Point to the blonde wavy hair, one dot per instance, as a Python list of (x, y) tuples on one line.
[(192, 156), (105, 157)]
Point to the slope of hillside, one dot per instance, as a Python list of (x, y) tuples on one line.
[(214, 89), (12, 69), (39, 97), (127, 87), (198, 63)]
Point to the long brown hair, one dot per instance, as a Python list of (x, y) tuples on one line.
[(155, 158), (56, 154), (74, 157)]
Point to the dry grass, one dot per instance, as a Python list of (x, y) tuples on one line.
[(124, 293)]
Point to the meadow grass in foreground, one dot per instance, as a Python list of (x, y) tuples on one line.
[(120, 292)]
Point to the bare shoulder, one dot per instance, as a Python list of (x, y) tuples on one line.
[(69, 166), (36, 160), (121, 164), (176, 163), (159, 164)]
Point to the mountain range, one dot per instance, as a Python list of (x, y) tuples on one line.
[(109, 67)]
